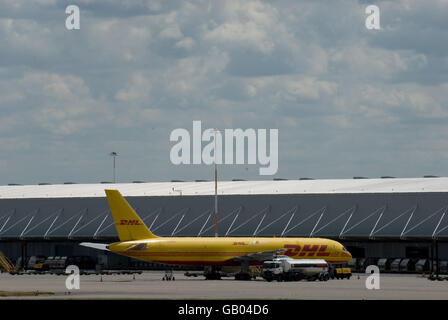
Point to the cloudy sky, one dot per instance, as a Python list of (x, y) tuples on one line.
[(347, 101)]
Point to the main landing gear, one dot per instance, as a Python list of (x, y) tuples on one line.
[(244, 273), (243, 276), (212, 273)]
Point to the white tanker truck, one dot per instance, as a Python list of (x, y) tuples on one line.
[(284, 268)]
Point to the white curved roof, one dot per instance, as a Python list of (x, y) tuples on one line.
[(395, 185)]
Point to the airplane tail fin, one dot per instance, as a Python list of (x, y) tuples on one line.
[(128, 224)]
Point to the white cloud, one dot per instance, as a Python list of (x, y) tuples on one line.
[(247, 24), (137, 90), (309, 88), (14, 143), (186, 43), (58, 103), (376, 62), (243, 34), (171, 32)]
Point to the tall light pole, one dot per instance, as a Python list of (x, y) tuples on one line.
[(216, 189), (114, 155)]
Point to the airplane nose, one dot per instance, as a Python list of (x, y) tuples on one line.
[(347, 254)]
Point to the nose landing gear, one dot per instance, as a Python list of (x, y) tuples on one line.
[(168, 276)]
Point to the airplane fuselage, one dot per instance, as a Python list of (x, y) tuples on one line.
[(226, 250)]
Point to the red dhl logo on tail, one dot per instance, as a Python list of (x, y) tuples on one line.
[(130, 223), (307, 250)]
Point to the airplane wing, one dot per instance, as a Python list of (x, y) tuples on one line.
[(103, 246), (260, 256), (99, 246)]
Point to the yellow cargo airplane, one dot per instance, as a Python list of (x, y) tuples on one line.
[(137, 241)]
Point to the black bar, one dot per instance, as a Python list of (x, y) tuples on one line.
[(275, 309)]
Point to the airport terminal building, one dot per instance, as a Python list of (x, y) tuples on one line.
[(374, 218)]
